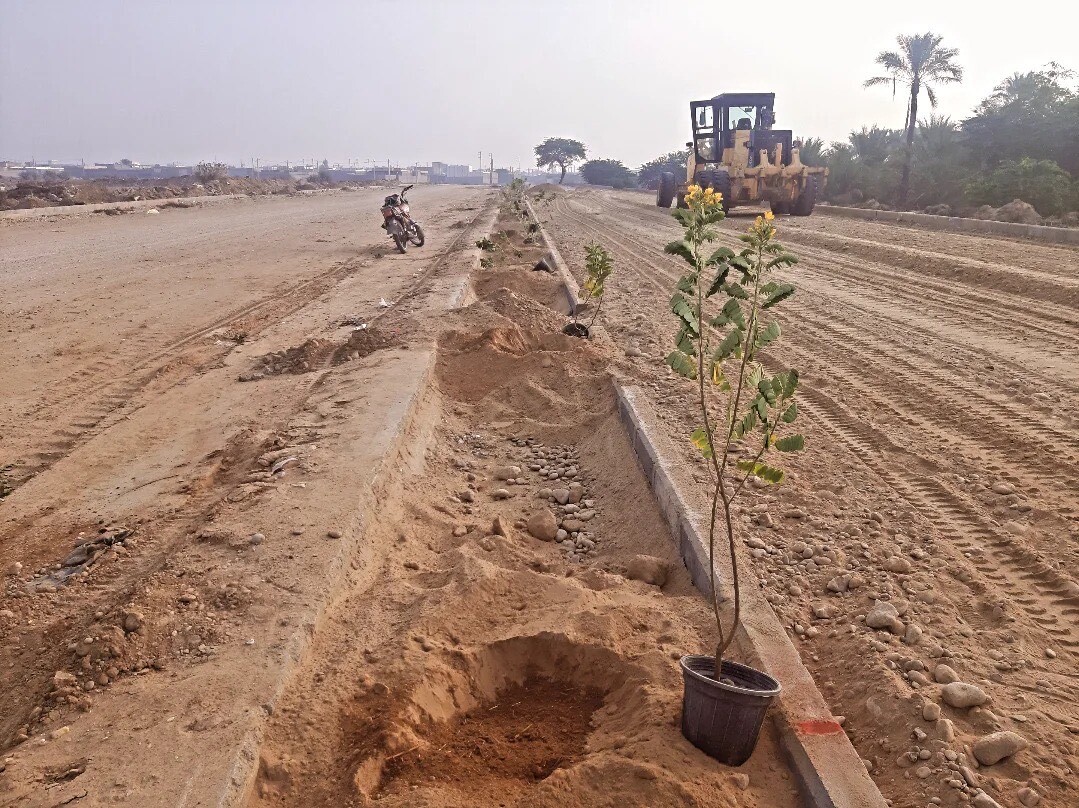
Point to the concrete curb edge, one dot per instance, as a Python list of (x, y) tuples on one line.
[(570, 288), (1035, 232), (829, 771)]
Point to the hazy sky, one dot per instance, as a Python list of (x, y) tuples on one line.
[(416, 81)]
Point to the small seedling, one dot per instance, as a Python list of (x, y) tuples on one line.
[(743, 409), (486, 263), (486, 244), (598, 266)]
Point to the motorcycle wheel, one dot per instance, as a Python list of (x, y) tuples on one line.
[(416, 236), (400, 242)]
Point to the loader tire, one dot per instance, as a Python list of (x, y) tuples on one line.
[(665, 192), (803, 205), (680, 200), (781, 208)]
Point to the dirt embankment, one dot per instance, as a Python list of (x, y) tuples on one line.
[(24, 194)]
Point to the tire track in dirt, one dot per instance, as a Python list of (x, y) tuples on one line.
[(1015, 569), (1003, 416), (873, 273)]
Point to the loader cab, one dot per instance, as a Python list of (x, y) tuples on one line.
[(732, 128)]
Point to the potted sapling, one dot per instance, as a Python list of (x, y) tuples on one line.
[(598, 266), (725, 308)]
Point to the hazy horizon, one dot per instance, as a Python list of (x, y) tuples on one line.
[(159, 82)]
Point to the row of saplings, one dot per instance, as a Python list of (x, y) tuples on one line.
[(723, 306)]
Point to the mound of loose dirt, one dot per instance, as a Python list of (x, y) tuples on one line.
[(364, 342), (302, 359)]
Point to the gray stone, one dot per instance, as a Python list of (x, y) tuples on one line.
[(997, 746), (1028, 797), (501, 493), (132, 621), (930, 711), (561, 495), (897, 564), (962, 695), (983, 800), (506, 472)]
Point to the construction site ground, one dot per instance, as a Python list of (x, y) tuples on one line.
[(271, 493)]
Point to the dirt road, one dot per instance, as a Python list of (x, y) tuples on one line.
[(940, 384), (257, 554)]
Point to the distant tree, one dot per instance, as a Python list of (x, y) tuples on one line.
[(811, 151), (561, 152), (1042, 183), (208, 172), (126, 163), (941, 163), (648, 175), (1028, 115), (608, 172), (325, 164), (919, 63)]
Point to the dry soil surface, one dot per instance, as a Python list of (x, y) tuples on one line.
[(939, 395), (230, 579)]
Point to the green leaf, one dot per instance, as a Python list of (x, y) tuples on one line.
[(791, 443), (767, 335), (756, 373), (682, 365), (730, 344), (702, 442), (680, 307), (682, 215), (762, 471), (685, 343), (784, 291), (717, 284), (784, 260), (687, 283), (745, 426), (790, 382), (722, 254), (733, 312), (682, 249), (790, 413), (742, 263), (762, 407), (765, 388), (735, 290)]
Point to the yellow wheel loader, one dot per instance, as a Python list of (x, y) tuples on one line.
[(736, 152)]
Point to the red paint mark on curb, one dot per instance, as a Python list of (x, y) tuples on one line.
[(816, 727)]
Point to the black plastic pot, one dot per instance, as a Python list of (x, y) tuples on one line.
[(576, 330), (723, 720)]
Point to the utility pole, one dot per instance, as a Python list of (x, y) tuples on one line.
[(492, 167)]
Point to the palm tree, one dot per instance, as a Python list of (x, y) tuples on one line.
[(919, 63)]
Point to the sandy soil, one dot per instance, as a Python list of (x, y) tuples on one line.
[(940, 384), (183, 525)]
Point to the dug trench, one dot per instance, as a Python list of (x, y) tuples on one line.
[(510, 628)]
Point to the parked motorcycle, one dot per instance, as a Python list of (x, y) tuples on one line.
[(399, 223)]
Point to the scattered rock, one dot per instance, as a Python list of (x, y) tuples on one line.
[(824, 611), (962, 695), (501, 493), (460, 531), (740, 780), (931, 711), (500, 527), (997, 746), (983, 800), (944, 675), (913, 635), (883, 615), (333, 534), (649, 569), (132, 621), (507, 472), (467, 496), (561, 495), (897, 564), (256, 539), (1028, 797), (543, 525), (13, 569)]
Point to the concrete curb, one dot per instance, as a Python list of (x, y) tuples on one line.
[(1036, 232), (570, 289), (828, 769)]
